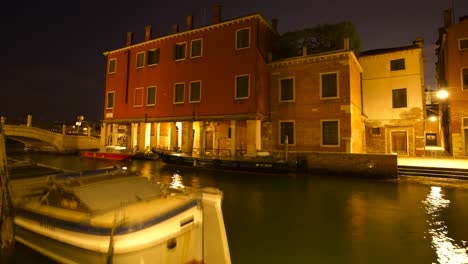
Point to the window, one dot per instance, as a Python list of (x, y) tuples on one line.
[(465, 121), (465, 78), (112, 65), (151, 96), (330, 132), (196, 48), (140, 60), (179, 90), (242, 86), (179, 51), (243, 38), (110, 100), (152, 57), (463, 44), (375, 131), (138, 100), (399, 98), (287, 89), (329, 88), (195, 91), (287, 130), (396, 65)]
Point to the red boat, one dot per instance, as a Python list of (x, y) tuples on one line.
[(106, 155)]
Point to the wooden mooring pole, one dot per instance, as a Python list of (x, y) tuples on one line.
[(7, 225)]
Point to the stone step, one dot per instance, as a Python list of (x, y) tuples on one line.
[(456, 173)]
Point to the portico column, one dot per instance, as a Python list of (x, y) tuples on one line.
[(253, 137), (187, 137), (201, 143), (115, 128), (233, 138), (172, 136), (157, 129)]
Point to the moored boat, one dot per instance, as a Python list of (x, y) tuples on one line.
[(109, 153), (126, 218)]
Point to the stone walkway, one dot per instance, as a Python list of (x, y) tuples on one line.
[(435, 157)]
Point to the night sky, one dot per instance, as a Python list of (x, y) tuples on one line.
[(52, 64)]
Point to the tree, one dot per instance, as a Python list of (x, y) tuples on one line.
[(321, 38)]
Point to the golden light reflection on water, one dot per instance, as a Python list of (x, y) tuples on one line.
[(176, 182), (446, 248)]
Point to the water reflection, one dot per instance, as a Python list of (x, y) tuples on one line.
[(446, 248)]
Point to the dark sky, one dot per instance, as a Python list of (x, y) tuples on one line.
[(52, 64)]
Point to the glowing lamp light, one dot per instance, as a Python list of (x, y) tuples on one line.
[(442, 94), (433, 118)]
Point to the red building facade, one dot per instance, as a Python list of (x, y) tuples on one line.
[(194, 90)]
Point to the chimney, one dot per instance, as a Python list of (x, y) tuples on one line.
[(129, 39), (217, 14), (346, 44), (175, 28), (419, 42), (304, 51), (148, 32), (274, 24), (189, 22), (447, 17)]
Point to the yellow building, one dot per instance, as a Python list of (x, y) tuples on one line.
[(393, 99)]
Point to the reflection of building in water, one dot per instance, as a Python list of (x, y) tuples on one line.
[(446, 248)]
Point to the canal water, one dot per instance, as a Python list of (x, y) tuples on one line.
[(317, 219)]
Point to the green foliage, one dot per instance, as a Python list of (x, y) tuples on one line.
[(321, 38)]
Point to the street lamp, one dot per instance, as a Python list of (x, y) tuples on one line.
[(442, 94)]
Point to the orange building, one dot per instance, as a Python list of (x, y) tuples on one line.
[(316, 103), (452, 76), (195, 90)]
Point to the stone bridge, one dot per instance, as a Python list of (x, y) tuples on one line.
[(44, 140)]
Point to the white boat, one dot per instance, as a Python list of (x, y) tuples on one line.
[(117, 217)]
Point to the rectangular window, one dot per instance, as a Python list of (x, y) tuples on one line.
[(329, 86), (330, 132), (243, 38), (287, 130), (151, 96), (195, 92), (138, 100), (375, 131), (112, 65), (396, 65), (465, 121), (179, 51), (152, 57), (399, 98), (179, 91), (140, 60), (196, 48), (465, 78), (287, 90), (242, 86), (463, 44), (110, 100)]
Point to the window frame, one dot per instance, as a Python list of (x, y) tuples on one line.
[(175, 93), (237, 36), (114, 60), (138, 90), (113, 100), (464, 73), (235, 86), (280, 132), (322, 121), (460, 43), (396, 63), (179, 44), (142, 60), (147, 95), (153, 51), (337, 85), (281, 89), (394, 101), (201, 48), (190, 91), (375, 134)]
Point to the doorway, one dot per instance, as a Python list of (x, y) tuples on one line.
[(399, 142)]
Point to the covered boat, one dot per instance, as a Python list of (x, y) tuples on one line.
[(119, 217)]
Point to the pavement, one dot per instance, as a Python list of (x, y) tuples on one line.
[(435, 157)]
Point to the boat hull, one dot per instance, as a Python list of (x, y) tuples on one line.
[(105, 155)]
